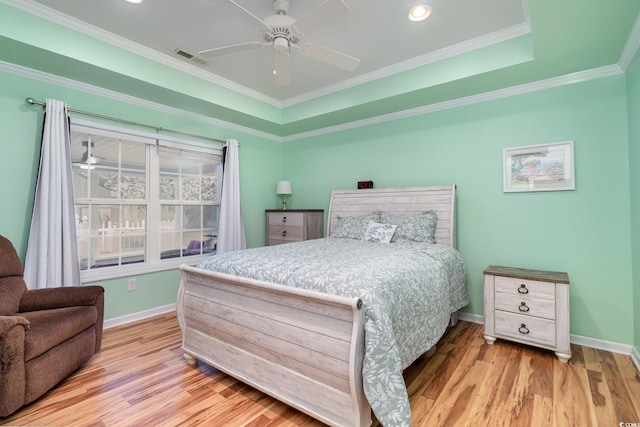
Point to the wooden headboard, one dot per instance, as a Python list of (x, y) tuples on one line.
[(407, 200)]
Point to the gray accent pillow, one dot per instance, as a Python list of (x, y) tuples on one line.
[(353, 227), (412, 228)]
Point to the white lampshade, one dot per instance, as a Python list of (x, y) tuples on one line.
[(284, 187)]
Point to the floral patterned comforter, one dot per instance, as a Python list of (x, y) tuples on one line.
[(408, 290)]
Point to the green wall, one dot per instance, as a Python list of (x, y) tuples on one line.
[(633, 101), (260, 169), (583, 232)]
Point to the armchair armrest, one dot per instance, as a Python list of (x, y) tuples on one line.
[(43, 299), (8, 322), (12, 377)]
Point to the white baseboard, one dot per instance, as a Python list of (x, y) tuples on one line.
[(468, 317), (635, 356), (602, 344), (473, 318), (122, 320), (613, 347)]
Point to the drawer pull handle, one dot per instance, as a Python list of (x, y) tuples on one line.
[(523, 307), (523, 329), (284, 233), (284, 219), (523, 289)]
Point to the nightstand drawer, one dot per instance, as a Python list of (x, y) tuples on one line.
[(294, 219), (525, 328), (525, 305), (288, 233), (293, 225), (525, 288)]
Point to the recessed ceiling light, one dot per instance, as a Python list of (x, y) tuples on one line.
[(134, 1), (419, 13)]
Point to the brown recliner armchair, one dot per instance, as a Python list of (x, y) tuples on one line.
[(45, 334)]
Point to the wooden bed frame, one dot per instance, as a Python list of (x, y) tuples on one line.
[(304, 348)]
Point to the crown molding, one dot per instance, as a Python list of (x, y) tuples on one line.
[(583, 76), (80, 26), (29, 73), (579, 77), (439, 55), (631, 47), (525, 10), (74, 24), (420, 61)]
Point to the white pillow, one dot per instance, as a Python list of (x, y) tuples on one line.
[(379, 233)]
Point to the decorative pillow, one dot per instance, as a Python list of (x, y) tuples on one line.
[(353, 227), (412, 228), (379, 233), (193, 245)]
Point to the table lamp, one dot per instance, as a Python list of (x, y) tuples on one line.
[(284, 188)]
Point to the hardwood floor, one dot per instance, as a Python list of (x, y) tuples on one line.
[(141, 379)]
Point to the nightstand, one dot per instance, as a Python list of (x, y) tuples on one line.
[(527, 306), (293, 225)]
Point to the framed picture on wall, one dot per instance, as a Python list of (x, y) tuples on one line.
[(542, 167)]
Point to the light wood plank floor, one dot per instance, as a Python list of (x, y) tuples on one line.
[(141, 379)]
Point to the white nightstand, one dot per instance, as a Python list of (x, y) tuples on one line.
[(527, 306), (293, 225)]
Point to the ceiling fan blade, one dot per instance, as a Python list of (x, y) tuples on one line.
[(330, 56), (249, 17), (282, 69), (241, 47), (321, 16)]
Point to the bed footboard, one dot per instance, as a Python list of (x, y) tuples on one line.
[(302, 347)]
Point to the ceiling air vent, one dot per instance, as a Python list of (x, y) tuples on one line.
[(191, 56)]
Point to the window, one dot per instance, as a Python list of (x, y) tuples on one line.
[(189, 202), (143, 202)]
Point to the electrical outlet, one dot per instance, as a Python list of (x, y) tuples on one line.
[(132, 285)]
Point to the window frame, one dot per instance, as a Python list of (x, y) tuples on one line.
[(152, 141)]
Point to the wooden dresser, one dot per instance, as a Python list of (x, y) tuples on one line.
[(293, 225), (527, 306)]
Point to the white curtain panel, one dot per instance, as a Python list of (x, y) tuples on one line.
[(231, 235), (52, 251)]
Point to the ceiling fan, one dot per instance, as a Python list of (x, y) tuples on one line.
[(88, 161), (284, 33)]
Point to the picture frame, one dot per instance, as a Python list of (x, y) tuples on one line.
[(541, 167)]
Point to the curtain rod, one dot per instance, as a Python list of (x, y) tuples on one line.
[(114, 119)]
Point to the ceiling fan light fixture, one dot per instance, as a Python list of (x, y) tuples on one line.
[(283, 33), (419, 13), (87, 161), (281, 44)]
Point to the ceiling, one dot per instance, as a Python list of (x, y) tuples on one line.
[(377, 32), (465, 48)]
